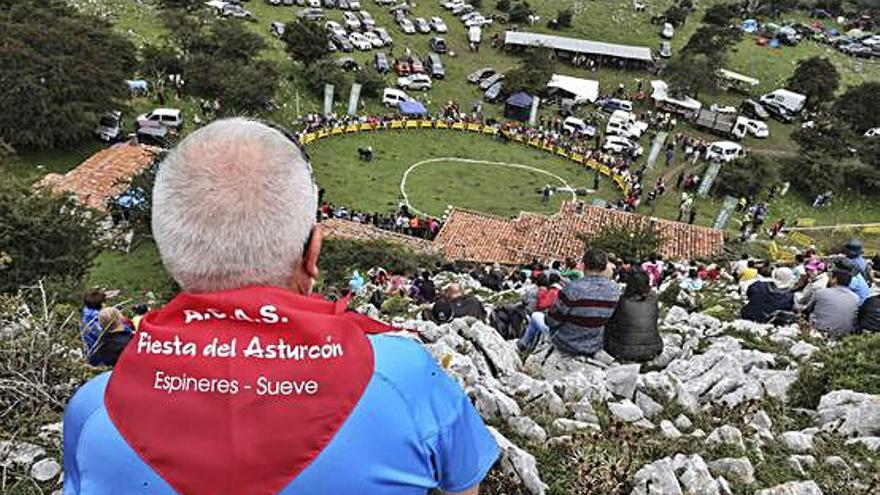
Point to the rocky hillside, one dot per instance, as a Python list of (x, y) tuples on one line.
[(729, 407)]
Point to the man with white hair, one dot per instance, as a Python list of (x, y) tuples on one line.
[(244, 385)]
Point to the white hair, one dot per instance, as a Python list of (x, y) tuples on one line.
[(233, 205)]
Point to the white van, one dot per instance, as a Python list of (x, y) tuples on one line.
[(618, 128), (574, 124), (724, 151), (872, 133), (168, 117), (789, 100), (629, 119), (392, 97)]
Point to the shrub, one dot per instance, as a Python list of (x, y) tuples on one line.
[(503, 5), (851, 365), (636, 240), (520, 12)]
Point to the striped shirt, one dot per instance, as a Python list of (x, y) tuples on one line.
[(578, 318)]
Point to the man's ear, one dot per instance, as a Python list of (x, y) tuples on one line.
[(312, 252)]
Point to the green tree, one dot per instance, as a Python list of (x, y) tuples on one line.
[(159, 60), (59, 70), (690, 74), (817, 78), (676, 15), (503, 5), (563, 18), (713, 41), (859, 106), (181, 4), (370, 80), (747, 176), (42, 237), (478, 4), (532, 74), (305, 41), (637, 239), (721, 14), (520, 12), (323, 72)]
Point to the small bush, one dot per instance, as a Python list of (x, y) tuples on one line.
[(637, 240), (851, 365), (339, 258)]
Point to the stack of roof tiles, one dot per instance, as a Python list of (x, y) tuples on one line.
[(104, 176), (345, 229), (472, 236)]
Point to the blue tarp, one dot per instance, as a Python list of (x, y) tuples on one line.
[(750, 25), (137, 85), (521, 100), (412, 108)]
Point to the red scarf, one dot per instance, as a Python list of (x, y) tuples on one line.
[(236, 392)]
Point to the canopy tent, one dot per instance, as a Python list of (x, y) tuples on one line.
[(413, 108), (661, 97), (582, 90), (574, 45), (727, 79), (518, 106)]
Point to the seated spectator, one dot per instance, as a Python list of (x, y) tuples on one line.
[(116, 335), (548, 293), (692, 282), (869, 314), (455, 304), (571, 271), (747, 276), (834, 309), (740, 265), (427, 293), (815, 277), (767, 297), (93, 301), (631, 334), (854, 252), (577, 321)]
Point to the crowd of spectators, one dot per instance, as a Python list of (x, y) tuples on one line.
[(403, 221)]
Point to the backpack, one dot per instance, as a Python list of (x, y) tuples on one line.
[(509, 321)]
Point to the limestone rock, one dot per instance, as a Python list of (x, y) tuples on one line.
[(727, 435), (668, 430), (851, 412), (802, 350), (525, 426), (626, 411), (734, 468), (621, 380), (519, 465), (694, 475), (564, 425), (796, 441), (793, 488), (583, 411), (656, 478), (45, 470), (801, 463), (675, 315), (759, 420), (836, 462), (493, 403), (649, 407), (20, 453), (682, 422), (502, 356), (873, 443)]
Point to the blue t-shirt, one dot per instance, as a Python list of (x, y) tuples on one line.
[(412, 430)]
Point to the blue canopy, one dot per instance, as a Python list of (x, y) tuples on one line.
[(521, 100), (411, 108)]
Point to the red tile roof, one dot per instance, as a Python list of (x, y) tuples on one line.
[(472, 236), (104, 175), (346, 229)]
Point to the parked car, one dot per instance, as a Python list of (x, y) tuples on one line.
[(406, 25), (109, 128), (380, 60), (493, 94), (314, 3), (665, 49), (235, 10), (415, 82), (402, 67), (367, 19), (480, 74), (573, 125), (451, 4), (374, 39), (422, 25), (778, 112), (344, 4), (435, 66), (360, 41), (757, 128), (351, 21), (872, 133), (752, 108), (462, 8), (354, 4), (477, 21), (311, 14), (668, 31), (619, 128), (342, 42), (438, 25), (724, 151), (385, 2), (347, 63), (489, 81), (383, 34), (789, 100), (416, 65), (335, 28), (276, 29), (612, 104), (329, 4), (167, 117), (620, 144), (438, 45)]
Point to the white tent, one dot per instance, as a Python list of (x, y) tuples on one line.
[(661, 94), (582, 89), (729, 74)]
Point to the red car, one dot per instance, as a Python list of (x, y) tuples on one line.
[(402, 67), (416, 66)]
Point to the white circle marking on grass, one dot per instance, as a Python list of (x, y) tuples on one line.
[(475, 162)]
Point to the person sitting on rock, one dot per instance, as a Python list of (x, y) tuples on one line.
[(114, 337), (455, 304), (548, 293), (769, 295), (93, 301), (869, 314), (834, 309), (815, 277), (578, 318), (244, 383), (631, 334)]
